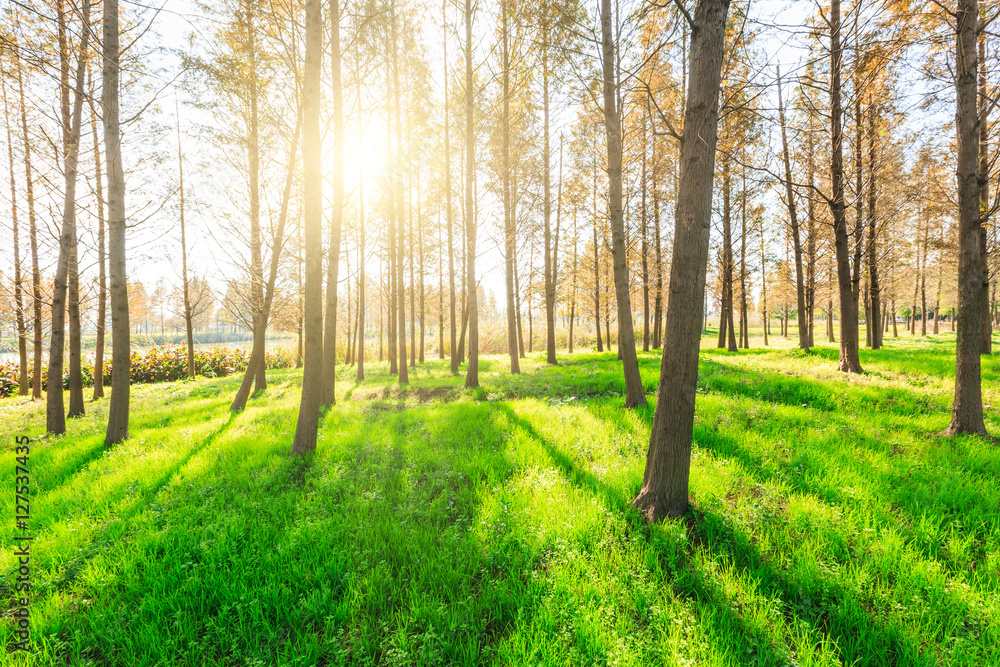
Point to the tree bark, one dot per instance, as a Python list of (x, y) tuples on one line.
[(55, 413), (253, 173), (188, 309), (22, 341), (658, 302), (967, 409), (744, 320), (404, 376), (550, 264), (257, 353), (635, 395), (118, 408), (306, 429), (873, 277), (509, 231), (102, 281), (644, 252), (472, 373), (336, 215), (453, 349), (849, 359), (984, 197), (664, 490), (362, 303), (800, 289)]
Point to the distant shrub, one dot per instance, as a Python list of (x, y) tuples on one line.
[(161, 364)]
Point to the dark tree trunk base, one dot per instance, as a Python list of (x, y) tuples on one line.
[(655, 508)]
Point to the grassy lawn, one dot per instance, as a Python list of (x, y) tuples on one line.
[(436, 526)]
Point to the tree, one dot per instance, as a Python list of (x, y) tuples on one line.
[(306, 429), (102, 281), (453, 348), (118, 409), (664, 489), (635, 395), (404, 377), (800, 289), (22, 342), (36, 274), (257, 360), (472, 373), (336, 222), (967, 408), (55, 413), (849, 342)]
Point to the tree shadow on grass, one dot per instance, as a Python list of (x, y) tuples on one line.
[(826, 605), (367, 552), (128, 505), (834, 607), (729, 629)]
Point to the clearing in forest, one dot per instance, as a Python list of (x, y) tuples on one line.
[(440, 526)]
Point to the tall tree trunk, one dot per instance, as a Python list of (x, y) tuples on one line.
[(22, 341), (597, 263), (658, 304), (644, 229), (849, 359), (551, 316), (744, 319), (423, 296), (413, 284), (55, 413), (800, 288), (509, 232), (668, 462), (362, 302), (118, 408), (727, 311), (188, 310), (967, 409), (873, 278), (984, 197), (572, 304), (550, 264), (635, 395), (253, 172), (453, 349), (102, 281), (923, 283), (257, 353), (811, 245), (404, 376), (306, 429), (763, 287), (336, 215), (36, 274), (472, 374), (597, 293), (390, 241)]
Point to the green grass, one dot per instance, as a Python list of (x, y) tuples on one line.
[(437, 526)]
